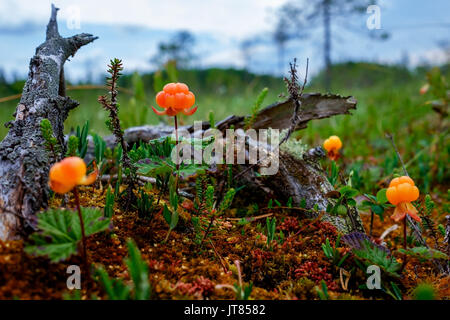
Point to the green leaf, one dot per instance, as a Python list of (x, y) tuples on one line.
[(60, 232), (381, 196), (174, 220), (373, 254), (114, 288), (138, 270), (377, 209), (348, 192), (423, 253), (167, 214)]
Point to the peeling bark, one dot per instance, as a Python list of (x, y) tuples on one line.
[(24, 161)]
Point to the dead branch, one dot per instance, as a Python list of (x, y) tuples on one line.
[(24, 161)]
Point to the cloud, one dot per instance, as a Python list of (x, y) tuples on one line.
[(234, 18)]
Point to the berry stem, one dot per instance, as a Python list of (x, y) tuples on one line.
[(83, 234), (177, 164)]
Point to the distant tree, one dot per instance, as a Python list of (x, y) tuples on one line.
[(179, 48), (246, 47), (2, 76), (301, 17), (280, 37)]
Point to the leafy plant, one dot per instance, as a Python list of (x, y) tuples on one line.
[(424, 291), (72, 146), (370, 253), (345, 198), (377, 205), (424, 254), (99, 148), (60, 232), (171, 215), (271, 225), (154, 158), (140, 288), (51, 143), (323, 292), (374, 255), (145, 205), (210, 210), (333, 175), (82, 134), (395, 293), (111, 105), (332, 253), (108, 210), (249, 121)]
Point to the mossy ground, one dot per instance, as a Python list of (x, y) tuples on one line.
[(181, 269)]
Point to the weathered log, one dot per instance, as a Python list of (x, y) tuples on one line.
[(24, 161), (276, 116), (299, 176)]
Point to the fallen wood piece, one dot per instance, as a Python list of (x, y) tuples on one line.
[(24, 161), (299, 175)]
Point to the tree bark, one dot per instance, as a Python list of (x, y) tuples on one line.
[(24, 160)]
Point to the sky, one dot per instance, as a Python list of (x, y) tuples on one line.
[(132, 29)]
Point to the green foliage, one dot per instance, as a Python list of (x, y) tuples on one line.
[(201, 184), (108, 210), (424, 254), (171, 215), (249, 121), (99, 148), (212, 121), (395, 293), (72, 146), (243, 293), (323, 292), (209, 197), (333, 176), (60, 232), (51, 143), (377, 204), (332, 253), (271, 226), (227, 200), (345, 199), (424, 291), (116, 289), (372, 254), (145, 205), (81, 134), (154, 159), (138, 270)]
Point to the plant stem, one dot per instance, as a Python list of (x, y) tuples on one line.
[(404, 245), (177, 164), (404, 234), (83, 235)]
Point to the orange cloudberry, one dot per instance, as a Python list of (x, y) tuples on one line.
[(333, 144), (175, 98), (401, 192), (69, 173)]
